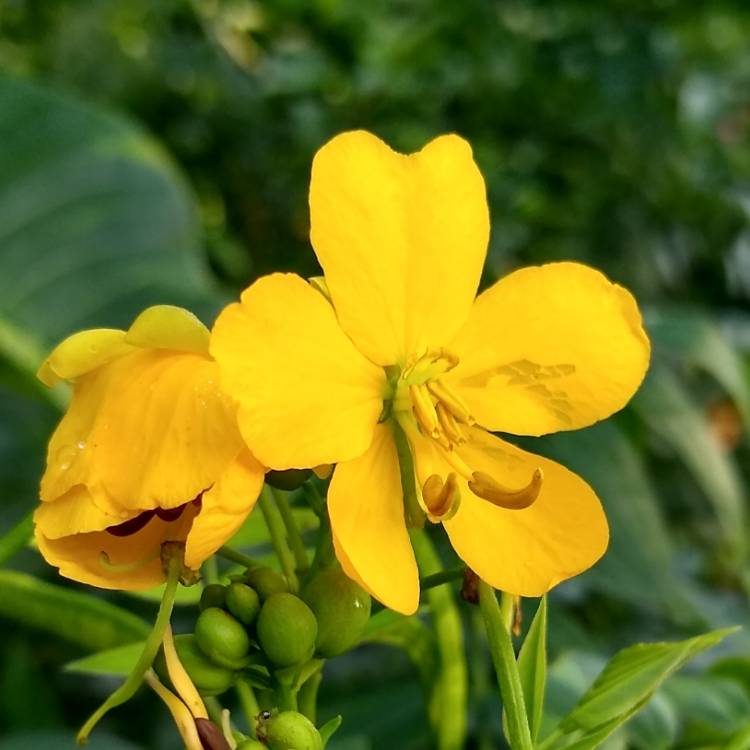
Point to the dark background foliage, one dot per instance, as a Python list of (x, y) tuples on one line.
[(615, 133)]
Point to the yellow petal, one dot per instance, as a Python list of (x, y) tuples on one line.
[(82, 352), (168, 327), (401, 239), (526, 552), (224, 508), (306, 396), (134, 561), (149, 429), (549, 348), (367, 518)]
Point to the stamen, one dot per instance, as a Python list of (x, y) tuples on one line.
[(132, 525), (180, 678), (180, 713), (111, 567), (452, 401), (449, 424), (424, 410), (442, 499), (484, 486)]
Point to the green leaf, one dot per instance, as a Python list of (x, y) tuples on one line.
[(625, 684), (532, 668), (118, 662), (16, 538), (665, 405), (84, 620), (449, 691), (690, 337), (95, 223)]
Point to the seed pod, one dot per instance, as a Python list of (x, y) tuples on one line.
[(286, 630), (342, 609), (290, 730), (222, 638), (289, 479), (214, 595), (266, 581), (243, 602)]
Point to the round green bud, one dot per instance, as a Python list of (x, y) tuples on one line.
[(209, 678), (342, 609), (289, 479), (251, 745), (243, 602), (286, 630), (290, 730), (213, 596), (221, 638), (266, 581)]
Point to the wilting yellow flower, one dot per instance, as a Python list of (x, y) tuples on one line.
[(397, 338), (147, 452)]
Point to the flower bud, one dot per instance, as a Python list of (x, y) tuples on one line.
[(266, 581), (221, 637), (209, 678), (213, 595), (290, 730), (243, 602), (342, 609), (286, 630), (289, 479)]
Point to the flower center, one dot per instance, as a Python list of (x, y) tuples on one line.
[(426, 407)]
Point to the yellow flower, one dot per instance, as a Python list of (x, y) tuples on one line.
[(147, 452), (396, 338)]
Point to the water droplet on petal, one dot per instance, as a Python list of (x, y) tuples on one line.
[(64, 456)]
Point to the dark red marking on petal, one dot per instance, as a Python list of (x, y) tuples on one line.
[(131, 526), (170, 514)]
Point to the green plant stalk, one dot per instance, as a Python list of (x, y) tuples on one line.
[(16, 538), (308, 697), (286, 695), (248, 703), (237, 557), (504, 660), (211, 571), (415, 516), (277, 531), (150, 648), (292, 532), (444, 576), (506, 610)]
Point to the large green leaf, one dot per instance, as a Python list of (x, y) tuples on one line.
[(626, 683), (84, 620), (532, 668), (118, 662), (95, 222)]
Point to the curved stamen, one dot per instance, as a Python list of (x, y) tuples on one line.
[(452, 401), (484, 486), (449, 425), (442, 499), (111, 567), (424, 410)]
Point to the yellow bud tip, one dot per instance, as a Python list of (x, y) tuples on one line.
[(485, 486)]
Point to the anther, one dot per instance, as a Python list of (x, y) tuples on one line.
[(441, 498), (484, 486), (452, 401), (424, 410), (449, 424)]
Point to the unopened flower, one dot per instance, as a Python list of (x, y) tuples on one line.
[(147, 452), (389, 368)]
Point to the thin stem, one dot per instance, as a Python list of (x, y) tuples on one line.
[(286, 696), (308, 697), (552, 739), (232, 555), (444, 576), (248, 703), (211, 570), (506, 610), (292, 532), (276, 529), (146, 659), (415, 516), (314, 499), (506, 668)]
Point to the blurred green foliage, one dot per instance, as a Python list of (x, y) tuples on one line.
[(615, 133)]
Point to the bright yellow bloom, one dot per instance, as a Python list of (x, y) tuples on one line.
[(147, 452), (394, 336)]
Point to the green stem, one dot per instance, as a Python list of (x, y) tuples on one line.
[(506, 667), (232, 555), (248, 703), (444, 576), (314, 499), (286, 696), (414, 514), (211, 571), (292, 532), (506, 610), (276, 529), (551, 740), (16, 538), (146, 659), (308, 697)]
